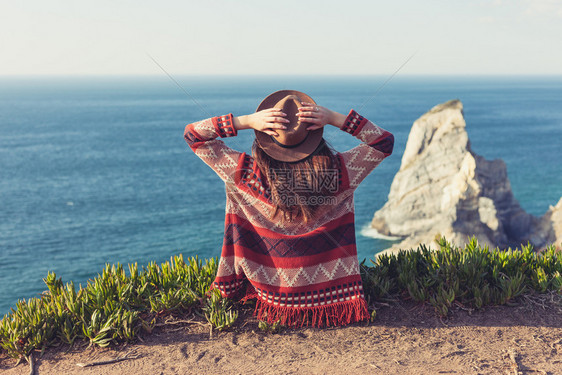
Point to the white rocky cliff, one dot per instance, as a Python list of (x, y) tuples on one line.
[(444, 188)]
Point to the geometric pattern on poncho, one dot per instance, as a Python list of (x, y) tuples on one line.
[(299, 272), (294, 247)]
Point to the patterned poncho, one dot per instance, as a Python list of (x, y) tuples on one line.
[(300, 273)]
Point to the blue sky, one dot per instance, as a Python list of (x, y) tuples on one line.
[(287, 37)]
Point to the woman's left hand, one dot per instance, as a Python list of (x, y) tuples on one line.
[(317, 116)]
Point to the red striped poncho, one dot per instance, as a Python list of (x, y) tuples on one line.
[(300, 273)]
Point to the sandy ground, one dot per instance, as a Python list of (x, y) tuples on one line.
[(405, 338)]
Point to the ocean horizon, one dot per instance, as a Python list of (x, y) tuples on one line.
[(95, 170)]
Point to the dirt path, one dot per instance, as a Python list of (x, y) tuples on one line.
[(405, 338)]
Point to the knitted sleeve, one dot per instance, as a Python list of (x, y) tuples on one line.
[(362, 159), (201, 138)]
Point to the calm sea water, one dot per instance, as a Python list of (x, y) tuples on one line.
[(95, 170)]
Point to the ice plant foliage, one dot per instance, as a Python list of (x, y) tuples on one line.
[(112, 308), (473, 276), (117, 304)]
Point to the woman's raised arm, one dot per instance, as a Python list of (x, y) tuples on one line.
[(362, 159), (201, 138), (265, 121)]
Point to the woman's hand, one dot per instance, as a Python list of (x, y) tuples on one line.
[(318, 116), (265, 121)]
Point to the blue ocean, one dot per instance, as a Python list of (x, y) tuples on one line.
[(96, 170)]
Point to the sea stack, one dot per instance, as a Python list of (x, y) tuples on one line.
[(444, 189)]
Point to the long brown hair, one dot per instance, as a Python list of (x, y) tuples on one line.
[(298, 189)]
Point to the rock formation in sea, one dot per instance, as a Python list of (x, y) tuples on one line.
[(444, 189)]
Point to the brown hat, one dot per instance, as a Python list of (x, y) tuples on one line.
[(294, 143)]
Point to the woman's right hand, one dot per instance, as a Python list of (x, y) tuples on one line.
[(266, 121)]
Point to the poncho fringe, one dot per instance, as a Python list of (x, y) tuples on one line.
[(335, 314)]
